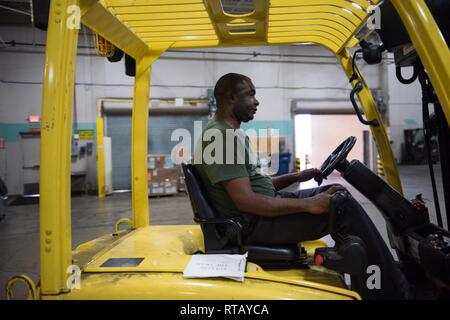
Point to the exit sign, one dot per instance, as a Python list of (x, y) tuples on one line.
[(34, 118)]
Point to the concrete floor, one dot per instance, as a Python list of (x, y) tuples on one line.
[(91, 218)]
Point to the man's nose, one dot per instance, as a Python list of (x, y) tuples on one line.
[(256, 102)]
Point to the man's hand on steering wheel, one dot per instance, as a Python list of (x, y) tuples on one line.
[(308, 174), (335, 188), (321, 203)]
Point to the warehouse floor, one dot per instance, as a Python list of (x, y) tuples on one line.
[(92, 217)]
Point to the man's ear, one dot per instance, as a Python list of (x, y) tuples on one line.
[(232, 97)]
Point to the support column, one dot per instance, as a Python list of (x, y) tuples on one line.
[(430, 45), (139, 137), (370, 110), (56, 135), (141, 213), (100, 158)]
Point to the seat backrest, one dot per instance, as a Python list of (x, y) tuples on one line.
[(216, 240), (203, 209), (198, 195)]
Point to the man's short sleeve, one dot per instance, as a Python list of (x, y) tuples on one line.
[(222, 172), (226, 169)]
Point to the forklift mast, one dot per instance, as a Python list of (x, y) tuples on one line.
[(396, 40)]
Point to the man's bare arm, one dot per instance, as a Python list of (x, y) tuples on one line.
[(246, 200), (281, 182)]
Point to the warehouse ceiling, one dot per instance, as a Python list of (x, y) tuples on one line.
[(15, 12), (177, 24), (211, 23)]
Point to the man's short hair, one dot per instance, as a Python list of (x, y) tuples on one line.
[(228, 84)]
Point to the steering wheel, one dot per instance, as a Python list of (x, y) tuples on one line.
[(335, 158)]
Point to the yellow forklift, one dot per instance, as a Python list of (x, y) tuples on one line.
[(147, 261)]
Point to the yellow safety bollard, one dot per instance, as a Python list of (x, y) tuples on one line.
[(297, 164), (380, 167)]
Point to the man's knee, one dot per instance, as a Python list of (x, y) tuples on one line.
[(336, 186), (353, 211)]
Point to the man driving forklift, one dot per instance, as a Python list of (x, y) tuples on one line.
[(269, 215)]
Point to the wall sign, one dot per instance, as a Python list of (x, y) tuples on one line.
[(86, 134)]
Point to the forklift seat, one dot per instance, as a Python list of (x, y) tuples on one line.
[(224, 235)]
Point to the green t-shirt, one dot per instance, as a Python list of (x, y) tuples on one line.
[(235, 161)]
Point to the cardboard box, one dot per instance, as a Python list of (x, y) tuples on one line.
[(155, 188), (160, 175), (162, 189), (180, 155), (156, 161), (170, 186), (162, 181), (181, 183)]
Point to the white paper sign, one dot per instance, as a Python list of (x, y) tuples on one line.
[(231, 266)]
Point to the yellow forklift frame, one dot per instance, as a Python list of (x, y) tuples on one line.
[(144, 29)]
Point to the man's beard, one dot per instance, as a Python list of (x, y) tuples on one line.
[(242, 114)]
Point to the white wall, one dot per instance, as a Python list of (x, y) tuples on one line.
[(276, 83), (278, 79), (339, 128), (405, 107)]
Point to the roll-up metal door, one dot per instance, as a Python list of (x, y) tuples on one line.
[(160, 128)]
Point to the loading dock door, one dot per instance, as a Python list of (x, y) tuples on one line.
[(328, 131), (160, 128), (317, 135)]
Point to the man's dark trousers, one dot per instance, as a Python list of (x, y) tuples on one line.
[(295, 228)]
